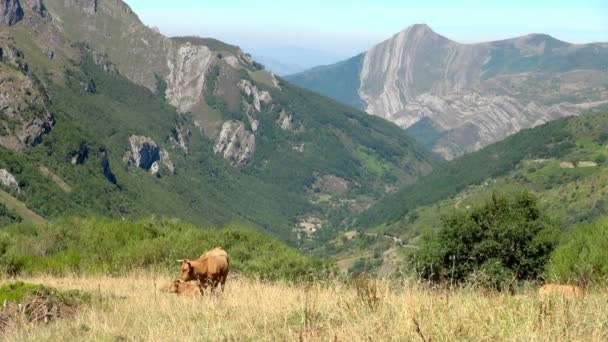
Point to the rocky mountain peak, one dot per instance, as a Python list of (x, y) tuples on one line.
[(420, 28), (419, 32), (470, 94)]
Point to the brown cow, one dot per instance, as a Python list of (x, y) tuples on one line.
[(183, 288), (210, 269), (562, 290)]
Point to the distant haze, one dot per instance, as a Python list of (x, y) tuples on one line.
[(348, 27), (290, 59)]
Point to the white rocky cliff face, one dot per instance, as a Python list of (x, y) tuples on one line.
[(187, 65), (252, 101), (477, 93), (8, 181), (146, 154), (235, 143)]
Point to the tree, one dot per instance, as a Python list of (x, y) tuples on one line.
[(505, 239)]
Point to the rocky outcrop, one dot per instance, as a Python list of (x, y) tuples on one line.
[(10, 12), (146, 154), (253, 100), (24, 118), (8, 181), (35, 12), (285, 121), (80, 157), (178, 138), (39, 9), (254, 97), (475, 121), (188, 65), (103, 61), (235, 143)]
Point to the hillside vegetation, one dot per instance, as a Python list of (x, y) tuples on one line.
[(562, 163), (129, 140), (101, 246), (535, 154)]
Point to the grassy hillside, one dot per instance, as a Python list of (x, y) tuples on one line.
[(203, 190), (136, 308), (555, 139), (562, 163)]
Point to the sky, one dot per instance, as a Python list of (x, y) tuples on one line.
[(347, 27)]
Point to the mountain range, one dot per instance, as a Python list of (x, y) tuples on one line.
[(102, 115), (457, 98)]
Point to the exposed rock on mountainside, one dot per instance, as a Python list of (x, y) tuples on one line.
[(475, 94), (187, 65), (178, 138), (235, 143), (285, 121), (253, 101), (146, 154), (255, 97), (24, 118), (10, 12), (8, 181)]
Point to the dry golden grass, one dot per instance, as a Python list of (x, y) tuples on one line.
[(134, 309)]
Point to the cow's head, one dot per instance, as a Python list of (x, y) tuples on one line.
[(186, 270)]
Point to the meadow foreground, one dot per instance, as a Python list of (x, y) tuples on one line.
[(137, 308)]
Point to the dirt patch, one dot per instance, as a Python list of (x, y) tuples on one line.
[(331, 184), (566, 165), (60, 182), (586, 164)]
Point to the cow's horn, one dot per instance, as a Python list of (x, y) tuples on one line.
[(180, 260)]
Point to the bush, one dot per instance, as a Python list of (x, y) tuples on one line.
[(504, 240), (582, 255), (114, 247)]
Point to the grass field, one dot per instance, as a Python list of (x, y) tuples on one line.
[(133, 308)]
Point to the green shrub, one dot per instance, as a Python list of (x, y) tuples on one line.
[(582, 255), (504, 240), (17, 292), (115, 247)]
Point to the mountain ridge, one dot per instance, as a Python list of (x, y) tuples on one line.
[(475, 94), (133, 123)]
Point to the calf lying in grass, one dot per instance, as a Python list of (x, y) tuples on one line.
[(560, 290), (183, 288)]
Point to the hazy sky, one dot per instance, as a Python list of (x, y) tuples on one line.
[(350, 26)]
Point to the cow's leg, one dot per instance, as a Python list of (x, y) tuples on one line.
[(223, 282)]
